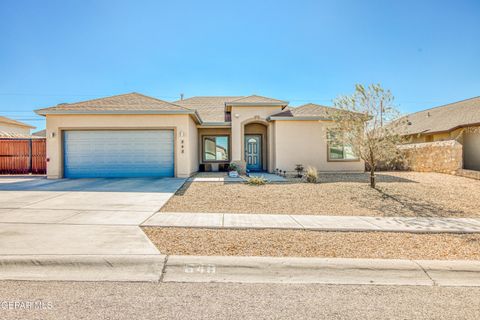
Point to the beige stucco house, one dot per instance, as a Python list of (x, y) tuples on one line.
[(133, 135), (459, 122), (10, 128)]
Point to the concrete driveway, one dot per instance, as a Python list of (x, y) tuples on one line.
[(83, 201), (79, 216)]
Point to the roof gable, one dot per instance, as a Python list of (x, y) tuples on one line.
[(309, 110), (210, 109), (124, 102), (14, 122), (255, 99)]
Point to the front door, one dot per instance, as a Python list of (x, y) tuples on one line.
[(253, 152)]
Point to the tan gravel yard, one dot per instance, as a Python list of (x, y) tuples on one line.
[(398, 194), (184, 241)]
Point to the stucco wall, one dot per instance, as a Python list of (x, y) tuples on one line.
[(242, 115), (193, 146), (185, 163), (439, 156), (305, 142)]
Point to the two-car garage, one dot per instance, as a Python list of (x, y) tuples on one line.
[(118, 153)]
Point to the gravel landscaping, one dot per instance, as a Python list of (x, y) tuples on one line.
[(397, 194), (381, 245)]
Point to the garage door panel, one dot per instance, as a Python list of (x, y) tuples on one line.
[(120, 153)]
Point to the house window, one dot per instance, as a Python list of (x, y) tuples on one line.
[(215, 148), (338, 151)]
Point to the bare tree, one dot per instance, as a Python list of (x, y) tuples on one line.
[(364, 123)]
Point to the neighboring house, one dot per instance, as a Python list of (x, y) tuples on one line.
[(133, 135), (40, 134), (10, 128), (459, 121)]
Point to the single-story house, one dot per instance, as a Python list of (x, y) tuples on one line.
[(133, 135), (10, 128), (459, 121)]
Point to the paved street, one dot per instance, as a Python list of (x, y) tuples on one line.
[(82, 300)]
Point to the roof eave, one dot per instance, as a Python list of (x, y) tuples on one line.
[(18, 124), (304, 118), (44, 112), (254, 104), (215, 125), (475, 124)]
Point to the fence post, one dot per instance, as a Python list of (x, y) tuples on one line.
[(30, 156)]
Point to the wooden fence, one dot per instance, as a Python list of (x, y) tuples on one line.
[(23, 156)]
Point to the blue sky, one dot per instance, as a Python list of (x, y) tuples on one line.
[(426, 52)]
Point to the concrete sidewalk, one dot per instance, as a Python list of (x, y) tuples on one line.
[(160, 268), (313, 222)]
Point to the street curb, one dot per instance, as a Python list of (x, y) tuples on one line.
[(237, 269), (82, 267), (322, 271)]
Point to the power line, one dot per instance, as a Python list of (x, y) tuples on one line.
[(70, 95), (175, 97)]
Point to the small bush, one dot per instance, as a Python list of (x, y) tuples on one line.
[(256, 181), (232, 167), (299, 168), (311, 175)]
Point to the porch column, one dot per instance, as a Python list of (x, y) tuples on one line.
[(237, 136)]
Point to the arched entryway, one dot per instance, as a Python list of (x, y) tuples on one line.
[(255, 145)]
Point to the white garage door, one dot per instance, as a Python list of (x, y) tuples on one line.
[(119, 153)]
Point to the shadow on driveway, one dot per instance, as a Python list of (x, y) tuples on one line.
[(153, 185)]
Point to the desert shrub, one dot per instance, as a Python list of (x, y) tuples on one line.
[(311, 175), (256, 181), (299, 168)]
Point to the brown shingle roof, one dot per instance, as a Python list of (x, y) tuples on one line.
[(124, 102), (443, 118), (258, 100), (307, 110), (14, 122), (210, 109)]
